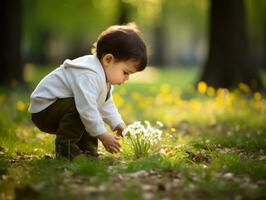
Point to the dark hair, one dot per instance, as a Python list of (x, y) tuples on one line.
[(123, 42)]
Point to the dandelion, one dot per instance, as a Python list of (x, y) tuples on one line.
[(21, 106), (118, 99), (122, 91), (202, 87), (28, 72), (165, 89), (210, 91), (244, 87), (257, 96), (136, 96), (140, 138), (173, 129)]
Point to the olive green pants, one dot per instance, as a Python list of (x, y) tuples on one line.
[(62, 119)]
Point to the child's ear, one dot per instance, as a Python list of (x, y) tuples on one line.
[(107, 58)]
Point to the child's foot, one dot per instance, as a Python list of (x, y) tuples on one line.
[(68, 151), (88, 154), (91, 153), (72, 151)]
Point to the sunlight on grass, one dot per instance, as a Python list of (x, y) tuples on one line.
[(149, 75)]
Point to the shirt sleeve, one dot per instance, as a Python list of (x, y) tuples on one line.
[(86, 92), (110, 113)]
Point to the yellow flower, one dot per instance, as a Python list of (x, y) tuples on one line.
[(168, 99), (128, 108), (28, 72), (202, 87), (118, 99), (210, 91), (257, 96), (222, 93), (165, 89), (141, 104), (244, 87), (148, 100), (190, 88), (122, 91), (21, 106), (136, 96), (173, 129)]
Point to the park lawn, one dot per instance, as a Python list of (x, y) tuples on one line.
[(213, 145)]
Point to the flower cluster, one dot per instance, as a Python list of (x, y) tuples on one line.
[(141, 138)]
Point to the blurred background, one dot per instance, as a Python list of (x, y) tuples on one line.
[(224, 40)]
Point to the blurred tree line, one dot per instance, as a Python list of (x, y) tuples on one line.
[(227, 38)]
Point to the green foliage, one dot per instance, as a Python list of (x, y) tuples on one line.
[(89, 167), (232, 162), (151, 162), (63, 26), (70, 22), (67, 17), (140, 147), (4, 164), (256, 17)]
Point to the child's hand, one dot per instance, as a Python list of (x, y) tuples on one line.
[(119, 129), (110, 142)]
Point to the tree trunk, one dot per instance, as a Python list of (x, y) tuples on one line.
[(264, 45), (159, 39), (124, 12), (228, 62), (158, 57), (10, 36)]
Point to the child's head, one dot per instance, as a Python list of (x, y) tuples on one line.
[(121, 49)]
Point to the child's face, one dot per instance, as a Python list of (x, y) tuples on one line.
[(117, 72)]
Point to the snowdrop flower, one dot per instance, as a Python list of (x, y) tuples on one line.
[(141, 138), (159, 123), (147, 123)]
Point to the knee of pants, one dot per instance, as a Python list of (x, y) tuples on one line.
[(41, 127)]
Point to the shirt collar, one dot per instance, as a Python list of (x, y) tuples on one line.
[(99, 67)]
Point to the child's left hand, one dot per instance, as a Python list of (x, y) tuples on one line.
[(119, 129)]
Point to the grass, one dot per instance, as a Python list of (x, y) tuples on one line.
[(213, 145)]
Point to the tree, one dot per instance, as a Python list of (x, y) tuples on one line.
[(10, 36), (159, 47), (51, 33), (124, 12), (257, 30), (228, 62)]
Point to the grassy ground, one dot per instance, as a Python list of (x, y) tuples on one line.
[(213, 145)]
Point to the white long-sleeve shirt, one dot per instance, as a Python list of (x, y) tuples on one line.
[(84, 79)]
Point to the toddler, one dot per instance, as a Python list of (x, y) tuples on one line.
[(75, 99)]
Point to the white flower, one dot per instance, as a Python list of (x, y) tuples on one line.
[(141, 137), (159, 123), (147, 123)]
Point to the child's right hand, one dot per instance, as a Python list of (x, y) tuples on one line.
[(110, 142)]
